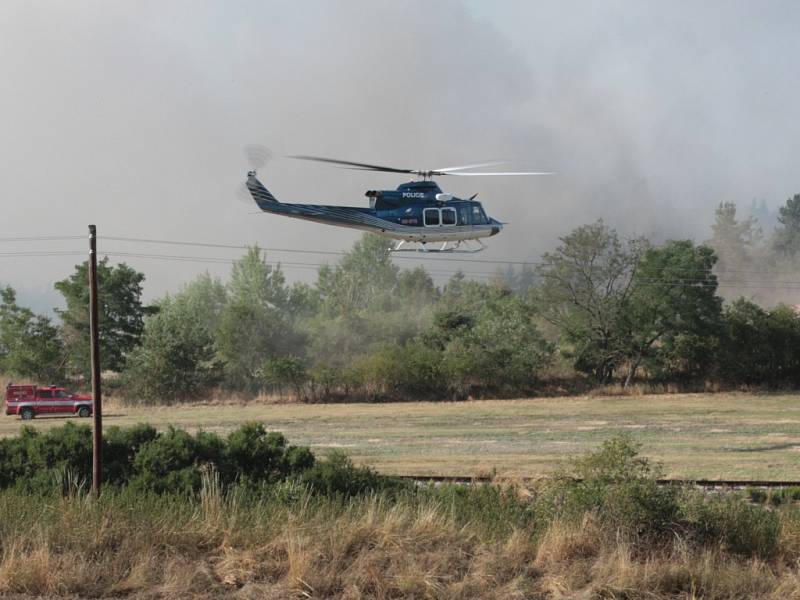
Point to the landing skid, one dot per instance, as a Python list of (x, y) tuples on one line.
[(447, 247)]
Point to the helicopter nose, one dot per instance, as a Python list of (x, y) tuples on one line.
[(496, 227)]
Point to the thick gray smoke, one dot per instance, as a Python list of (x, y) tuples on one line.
[(133, 116)]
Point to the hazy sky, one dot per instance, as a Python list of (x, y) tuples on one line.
[(132, 115)]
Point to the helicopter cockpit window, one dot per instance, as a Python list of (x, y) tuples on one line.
[(463, 215), (431, 216), (478, 218), (448, 216)]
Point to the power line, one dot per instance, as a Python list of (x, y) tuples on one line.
[(42, 253), (684, 281), (651, 281), (422, 256), (42, 238)]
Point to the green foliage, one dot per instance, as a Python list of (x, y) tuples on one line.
[(760, 346), (260, 455), (498, 510), (173, 461), (121, 315), (620, 487), (177, 358), (730, 520), (30, 345), (734, 241), (120, 447), (397, 372), (585, 292), (167, 463), (673, 308), (786, 239), (335, 475), (284, 370), (495, 345), (33, 459), (365, 277), (256, 323)]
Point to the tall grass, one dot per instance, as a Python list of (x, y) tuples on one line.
[(288, 543), (602, 529)]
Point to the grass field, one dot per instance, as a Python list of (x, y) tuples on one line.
[(715, 436)]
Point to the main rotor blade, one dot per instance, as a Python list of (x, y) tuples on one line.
[(362, 166), (486, 164), (482, 174)]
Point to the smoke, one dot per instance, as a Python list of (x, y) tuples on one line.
[(133, 116)]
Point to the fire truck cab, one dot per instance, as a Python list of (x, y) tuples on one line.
[(28, 401)]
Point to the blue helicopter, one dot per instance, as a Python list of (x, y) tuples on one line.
[(417, 212)]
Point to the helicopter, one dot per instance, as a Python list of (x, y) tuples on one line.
[(417, 212)]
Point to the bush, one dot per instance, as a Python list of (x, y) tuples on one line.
[(259, 455), (173, 461), (337, 475), (757, 495), (281, 371), (120, 447), (497, 510), (618, 486), (168, 463), (730, 520), (176, 359)]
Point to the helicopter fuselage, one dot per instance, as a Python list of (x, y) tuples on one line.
[(416, 211)]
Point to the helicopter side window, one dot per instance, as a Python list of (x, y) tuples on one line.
[(463, 215), (431, 216), (448, 216)]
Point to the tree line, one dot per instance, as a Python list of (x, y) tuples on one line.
[(597, 309)]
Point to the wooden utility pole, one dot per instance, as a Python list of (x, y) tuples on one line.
[(97, 409)]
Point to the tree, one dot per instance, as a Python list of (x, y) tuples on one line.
[(673, 295), (206, 298), (29, 344), (733, 241), (502, 349), (786, 239), (285, 370), (121, 315), (257, 323), (416, 289), (365, 277), (177, 358), (584, 291), (760, 346)]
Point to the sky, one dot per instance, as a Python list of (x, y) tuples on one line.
[(132, 115)]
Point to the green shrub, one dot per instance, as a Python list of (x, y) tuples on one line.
[(619, 487), (259, 455), (497, 510), (173, 461), (120, 447), (757, 495), (730, 520), (14, 461), (337, 475), (168, 463)]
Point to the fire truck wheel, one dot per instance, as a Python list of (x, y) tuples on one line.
[(27, 414), (83, 411)]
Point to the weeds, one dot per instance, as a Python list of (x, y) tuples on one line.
[(602, 530)]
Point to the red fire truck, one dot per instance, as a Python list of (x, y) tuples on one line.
[(27, 401)]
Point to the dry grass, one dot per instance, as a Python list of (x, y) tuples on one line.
[(725, 435), (219, 547)]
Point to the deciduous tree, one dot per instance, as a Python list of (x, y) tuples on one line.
[(121, 315)]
